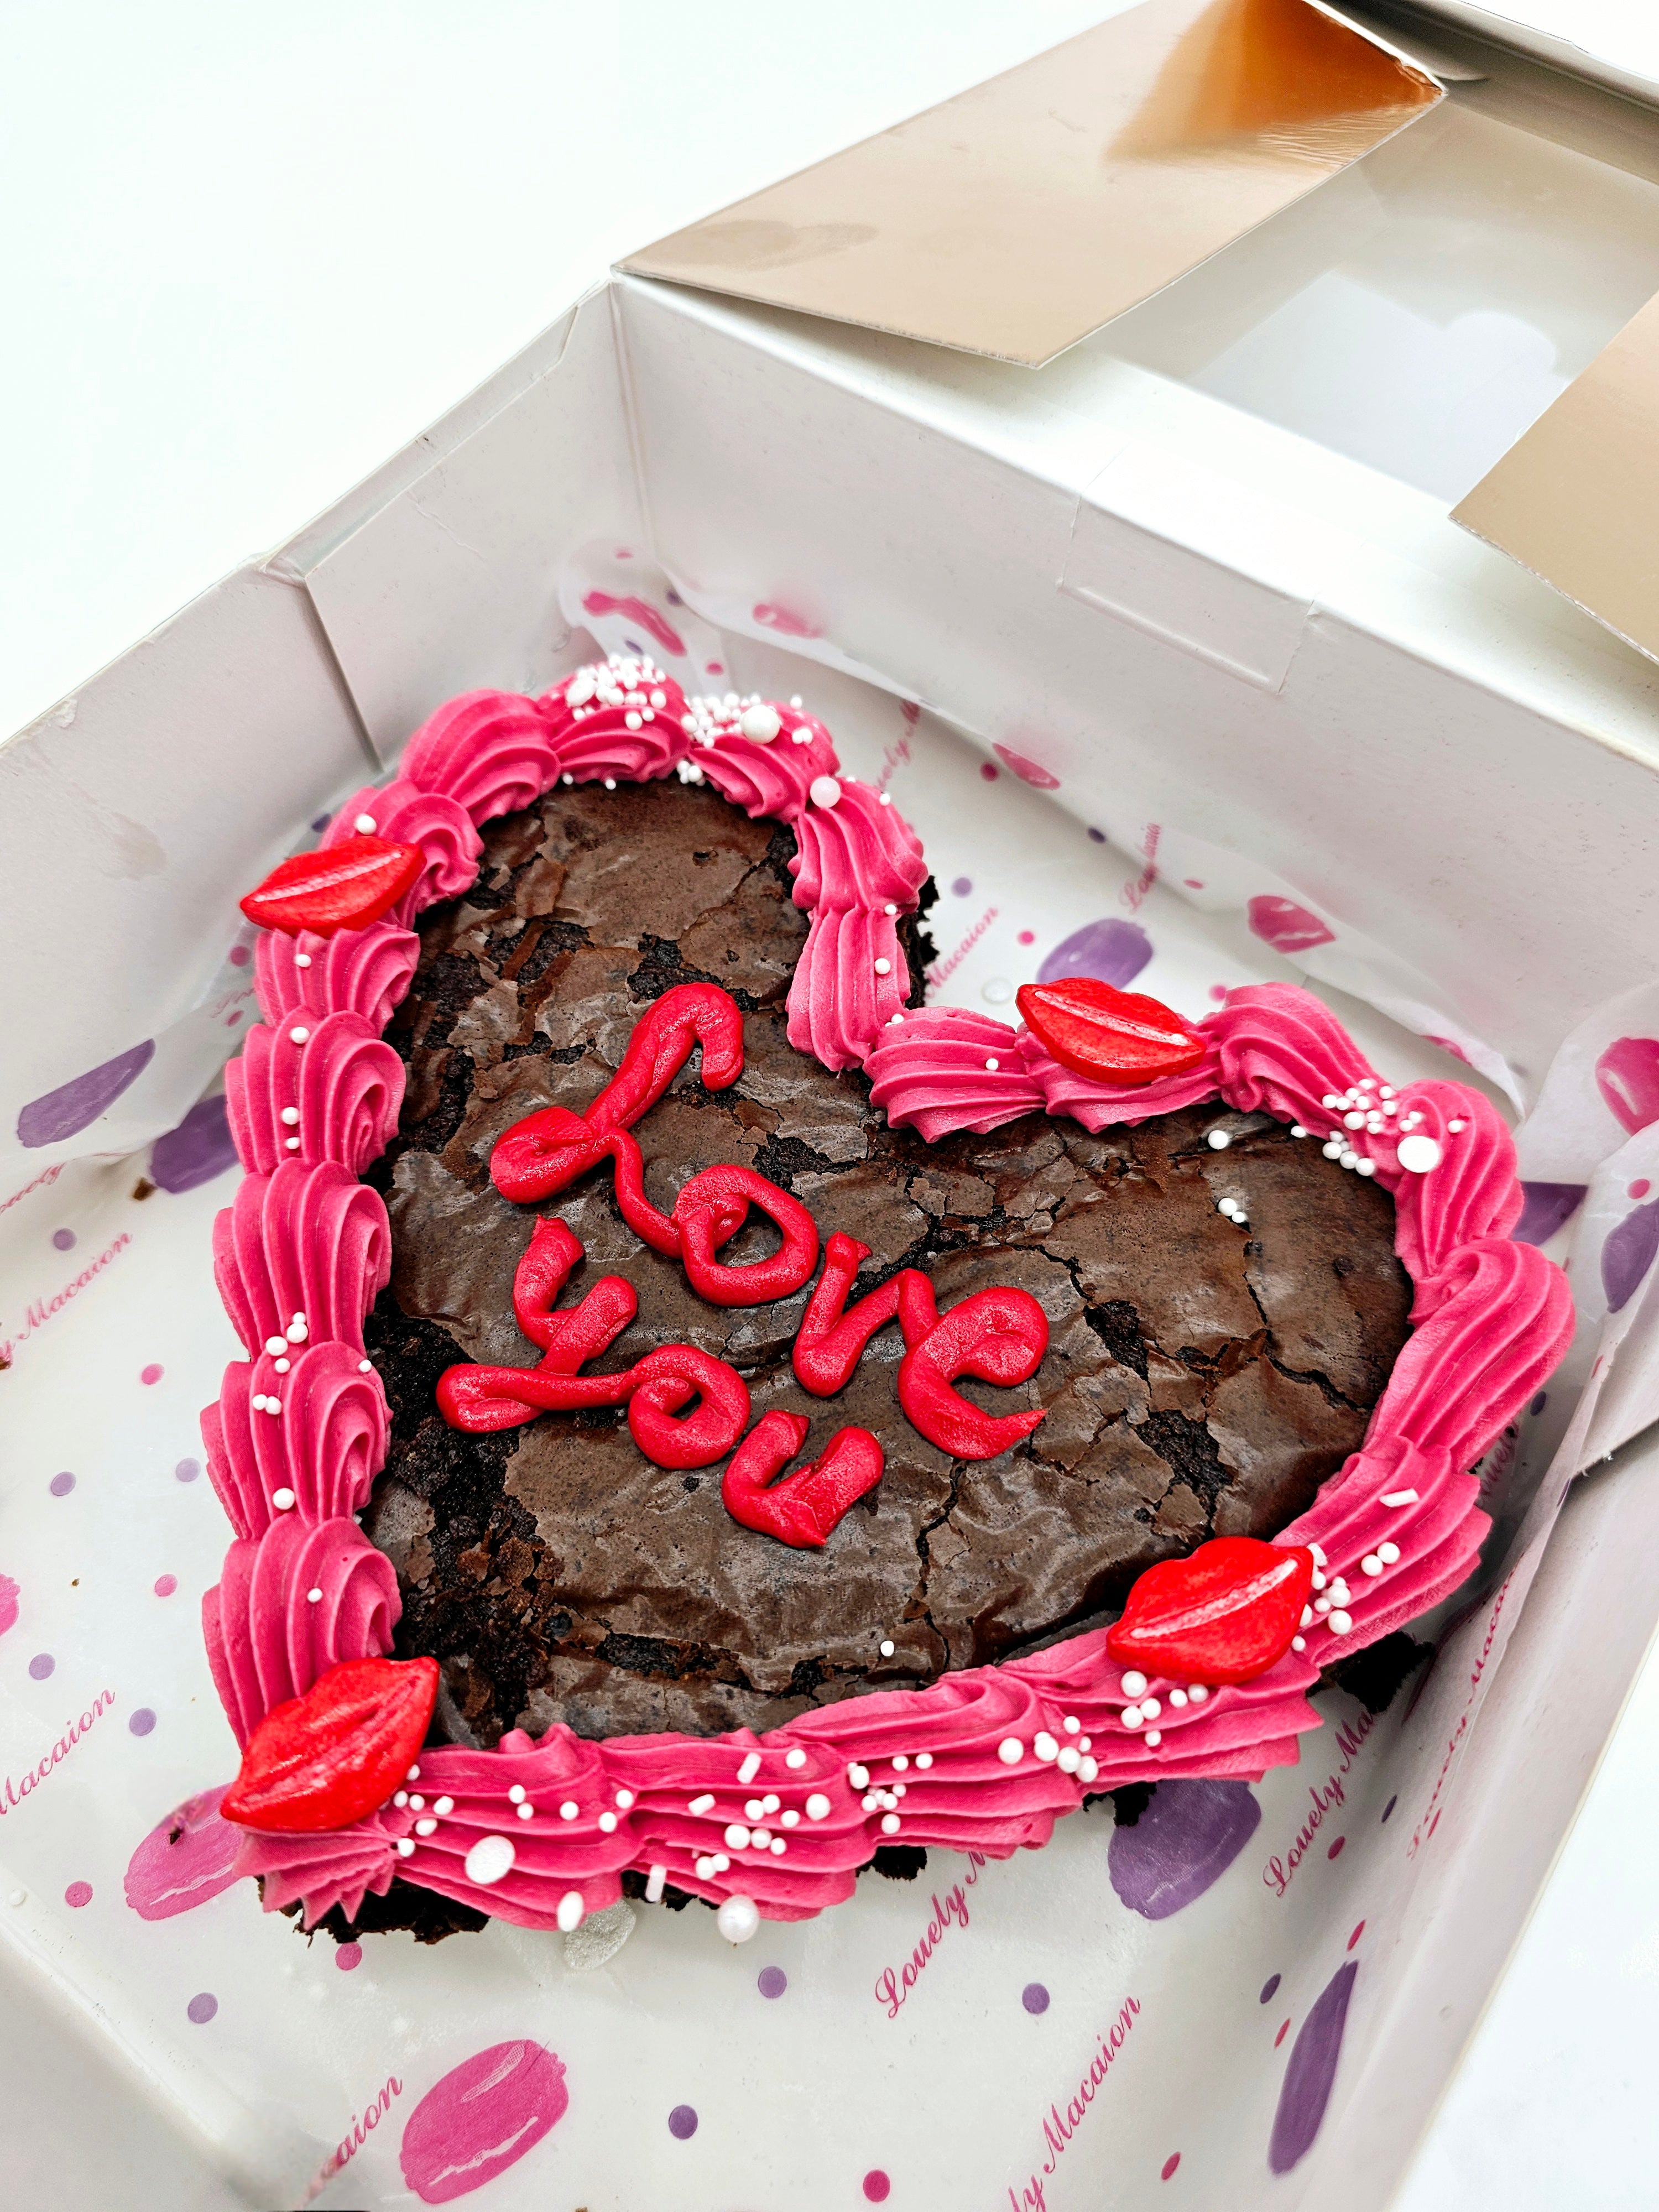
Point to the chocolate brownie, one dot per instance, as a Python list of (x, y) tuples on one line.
[(1201, 1378)]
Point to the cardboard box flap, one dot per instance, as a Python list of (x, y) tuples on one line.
[(1574, 500), (1025, 213)]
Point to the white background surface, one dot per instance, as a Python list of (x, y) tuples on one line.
[(250, 252)]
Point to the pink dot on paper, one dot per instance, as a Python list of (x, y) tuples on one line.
[(166, 1585), (1281, 2035), (1169, 2165), (1335, 1851), (63, 1239), (152, 1373), (348, 1956), (1028, 937), (1217, 992), (714, 668), (233, 1017), (990, 773), (239, 956), (1639, 1188), (876, 2186), (1357, 1933), (78, 1893), (202, 2008), (60, 1484), (1193, 883)]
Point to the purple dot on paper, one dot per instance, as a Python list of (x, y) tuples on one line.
[(142, 1722), (322, 823), (187, 1470), (989, 771), (1169, 2165), (1096, 836), (41, 1665), (63, 1239), (1268, 1987), (682, 2122), (638, 650), (166, 1585), (772, 1981), (349, 1957), (239, 956), (1335, 1851), (962, 886), (1034, 1998), (1628, 1253), (60, 1484), (1310, 2072), (200, 1148), (151, 1374), (63, 1112), (1112, 951), (1539, 1404), (202, 2008), (673, 597), (877, 2187), (1544, 1206), (1387, 1808), (78, 1893)]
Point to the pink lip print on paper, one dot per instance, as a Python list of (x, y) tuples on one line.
[(1311, 2070), (1288, 928), (1185, 1841), (641, 614), (480, 2118), (785, 621), (1028, 771), (1627, 1077), (1112, 951), (75, 1104), (184, 1861), (7, 1603)]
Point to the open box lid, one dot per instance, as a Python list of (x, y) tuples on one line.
[(1021, 215)]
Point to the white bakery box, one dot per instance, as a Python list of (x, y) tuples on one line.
[(1168, 637)]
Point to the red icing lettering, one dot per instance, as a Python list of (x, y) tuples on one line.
[(999, 1335), (805, 1507), (711, 1208), (830, 1343)]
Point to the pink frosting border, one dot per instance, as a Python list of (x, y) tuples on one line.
[(985, 1758)]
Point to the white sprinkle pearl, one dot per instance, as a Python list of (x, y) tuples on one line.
[(1089, 1769), (1218, 1140), (1417, 1155), (1045, 1746), (517, 1794), (789, 1819), (1370, 1565), (1133, 1684), (400, 1797), (569, 1914), (302, 960), (1340, 1623), (883, 967), (1298, 1643), (760, 723), (426, 1827), (1197, 1692), (703, 1804), (890, 1823), (1150, 1708), (1177, 1697), (282, 1500), (405, 1847), (526, 1812), (314, 1597), (364, 826), (624, 1798), (611, 780), (779, 1847), (413, 1775), (858, 1777), (736, 1837), (654, 1884), (491, 1857), (1455, 1129), (796, 1758), (886, 1647), (1134, 1717), (992, 1065), (1011, 1751), (1296, 1129), (824, 791), (569, 1809), (1388, 1554), (1398, 1498), (889, 909), (275, 1343), (750, 1768), (608, 1822), (290, 1144), (817, 1806), (1070, 1759), (299, 1035), (738, 1919), (1154, 1736), (443, 1807), (924, 1760), (290, 1114), (1071, 1724), (754, 1810)]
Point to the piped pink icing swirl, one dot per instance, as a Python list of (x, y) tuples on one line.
[(405, 815), (1397, 1527), (355, 971), (327, 1090), (933, 1073), (492, 752), (290, 1605), (619, 717), (859, 853), (323, 1445), (306, 1240), (849, 982)]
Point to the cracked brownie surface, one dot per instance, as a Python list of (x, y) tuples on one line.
[(1200, 1379)]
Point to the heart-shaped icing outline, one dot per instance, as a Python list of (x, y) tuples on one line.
[(984, 1758)]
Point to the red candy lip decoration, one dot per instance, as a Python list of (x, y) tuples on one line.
[(337, 887), (804, 1509), (324, 1759), (1114, 1036), (1225, 1614)]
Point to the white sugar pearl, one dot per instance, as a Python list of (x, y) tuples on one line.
[(738, 1919), (754, 1810), (580, 688), (299, 1035), (282, 1366), (1045, 1746), (1133, 1716), (400, 1797), (290, 1114), (872, 1801), (314, 1597), (737, 1837), (275, 1343), (1133, 1684), (1011, 1751), (405, 1847), (1365, 1167), (297, 1331), (659, 698), (570, 1912), (426, 1827), (282, 1500), (1154, 1736), (1330, 1099), (817, 1806), (569, 1809), (413, 1775), (302, 960), (823, 791), (889, 909), (887, 1647), (889, 1824), (526, 1812), (779, 1847), (1177, 1697), (789, 1819), (760, 1840), (1298, 1643), (624, 1798), (1340, 1623), (443, 1807), (1370, 1565), (797, 1757), (517, 1794), (924, 1760), (1388, 1554), (704, 1870), (1070, 1759), (489, 1859), (703, 1804), (1417, 1155), (1088, 1771), (858, 1777), (1456, 1129), (1354, 1120), (291, 1144), (883, 967), (608, 1823), (901, 1765), (1071, 1724), (1197, 1692), (1218, 1140), (1150, 1708), (760, 723), (1296, 1129), (364, 826)]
